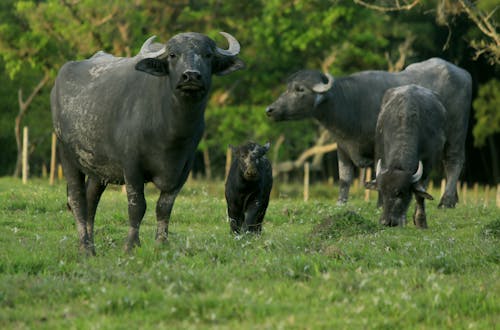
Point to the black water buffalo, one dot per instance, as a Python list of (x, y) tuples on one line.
[(135, 120), (349, 108), (248, 187), (409, 139)]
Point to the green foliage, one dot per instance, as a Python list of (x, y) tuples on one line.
[(302, 272), (277, 38), (486, 107)]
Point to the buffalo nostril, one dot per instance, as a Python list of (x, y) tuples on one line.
[(191, 75), (269, 110)]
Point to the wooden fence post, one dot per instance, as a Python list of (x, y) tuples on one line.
[(476, 193), (443, 187), (229, 159), (464, 193), (53, 159), (25, 155), (498, 195), (486, 196), (306, 181), (368, 177)]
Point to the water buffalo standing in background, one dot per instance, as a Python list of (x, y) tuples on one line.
[(134, 120), (349, 108), (248, 187), (409, 140)]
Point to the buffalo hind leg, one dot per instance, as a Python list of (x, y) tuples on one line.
[(163, 211), (77, 201), (136, 209), (450, 196), (419, 217), (346, 176), (95, 188)]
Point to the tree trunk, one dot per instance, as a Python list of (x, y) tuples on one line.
[(23, 107)]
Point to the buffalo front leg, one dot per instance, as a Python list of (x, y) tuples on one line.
[(136, 210), (346, 176), (419, 217), (236, 218), (95, 188), (163, 210)]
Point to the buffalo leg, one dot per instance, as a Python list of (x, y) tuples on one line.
[(346, 176), (163, 210), (236, 218), (253, 218), (136, 209), (94, 192), (77, 201), (419, 217), (450, 196)]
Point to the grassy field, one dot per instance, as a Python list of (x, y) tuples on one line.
[(316, 265)]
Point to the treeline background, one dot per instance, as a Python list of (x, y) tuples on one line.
[(277, 38)]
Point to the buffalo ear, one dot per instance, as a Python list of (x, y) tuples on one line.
[(153, 66), (226, 64), (420, 192), (266, 147), (372, 185)]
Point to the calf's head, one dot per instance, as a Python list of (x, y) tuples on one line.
[(396, 188), (249, 157), (305, 92), (189, 59)]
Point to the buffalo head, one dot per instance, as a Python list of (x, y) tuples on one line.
[(396, 188), (249, 157), (189, 60), (306, 90)]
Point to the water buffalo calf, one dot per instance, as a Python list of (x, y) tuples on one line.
[(248, 187), (409, 139)]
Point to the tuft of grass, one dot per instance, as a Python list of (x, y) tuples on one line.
[(492, 229), (343, 223)]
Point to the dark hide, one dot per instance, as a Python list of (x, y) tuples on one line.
[(248, 187), (410, 129), (134, 120), (350, 109)]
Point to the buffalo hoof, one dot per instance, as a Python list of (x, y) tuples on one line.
[(161, 238), (448, 202), (341, 201), (87, 250), (131, 243), (420, 221)]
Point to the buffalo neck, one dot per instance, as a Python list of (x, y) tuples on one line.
[(337, 112)]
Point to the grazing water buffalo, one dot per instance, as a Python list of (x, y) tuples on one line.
[(409, 140), (248, 187), (135, 120), (349, 108)]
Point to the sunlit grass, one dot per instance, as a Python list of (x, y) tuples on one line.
[(316, 265)]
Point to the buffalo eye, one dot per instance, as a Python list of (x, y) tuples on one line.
[(172, 56), (299, 89)]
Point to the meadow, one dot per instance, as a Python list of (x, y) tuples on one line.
[(315, 266)]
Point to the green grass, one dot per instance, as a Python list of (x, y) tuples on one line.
[(315, 266)]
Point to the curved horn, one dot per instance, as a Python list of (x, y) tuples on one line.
[(323, 88), (418, 174), (146, 50), (378, 168), (234, 46)]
